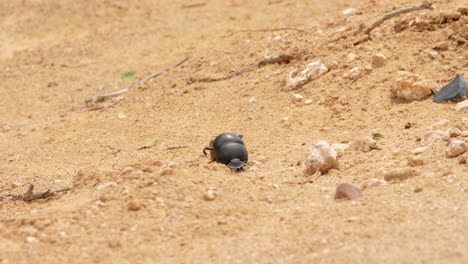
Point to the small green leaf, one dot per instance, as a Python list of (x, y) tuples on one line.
[(150, 143), (377, 136), (127, 75)]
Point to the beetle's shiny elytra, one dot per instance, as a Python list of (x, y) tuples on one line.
[(228, 148)]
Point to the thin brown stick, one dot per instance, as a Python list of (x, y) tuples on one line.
[(264, 30), (397, 13), (178, 147), (282, 58), (29, 195), (101, 98), (187, 77), (193, 5)]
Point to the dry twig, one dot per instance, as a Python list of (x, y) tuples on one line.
[(282, 58), (264, 30), (397, 13), (29, 195), (177, 147), (101, 98)]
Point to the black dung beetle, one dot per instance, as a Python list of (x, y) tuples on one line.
[(228, 148)]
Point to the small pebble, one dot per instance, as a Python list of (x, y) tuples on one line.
[(418, 189), (348, 11), (252, 100), (456, 147), (31, 239), (408, 86), (347, 191), (321, 157), (133, 206), (454, 132), (419, 150), (121, 116), (375, 183), (296, 98), (433, 54), (364, 144), (379, 60), (415, 161), (308, 101), (399, 174), (354, 73), (462, 159), (462, 105), (210, 194)]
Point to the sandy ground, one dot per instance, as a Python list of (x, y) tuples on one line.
[(143, 205)]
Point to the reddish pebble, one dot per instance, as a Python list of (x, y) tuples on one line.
[(347, 191)]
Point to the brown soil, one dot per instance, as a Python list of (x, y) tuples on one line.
[(149, 205)]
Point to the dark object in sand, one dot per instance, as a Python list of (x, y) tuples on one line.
[(455, 90)]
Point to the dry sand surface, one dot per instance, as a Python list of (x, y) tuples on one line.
[(143, 192)]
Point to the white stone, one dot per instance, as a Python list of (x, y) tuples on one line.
[(296, 98), (351, 56), (354, 73), (364, 144), (462, 105), (312, 71), (441, 123), (210, 194), (31, 239), (433, 54), (340, 148), (410, 87), (456, 147), (121, 116), (419, 150), (321, 158), (252, 100), (376, 183), (348, 11), (379, 60), (308, 101)]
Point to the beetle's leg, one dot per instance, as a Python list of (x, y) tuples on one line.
[(241, 136), (207, 148)]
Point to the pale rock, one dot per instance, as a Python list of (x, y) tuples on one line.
[(433, 54), (364, 144), (333, 65), (296, 98), (368, 69), (454, 132), (399, 174), (455, 148), (210, 194), (31, 239), (340, 148), (321, 157), (374, 182), (379, 60), (354, 73), (348, 11), (252, 100), (414, 161), (312, 71), (419, 150), (351, 56), (308, 101), (347, 191), (121, 116), (410, 87), (462, 105), (441, 123)]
